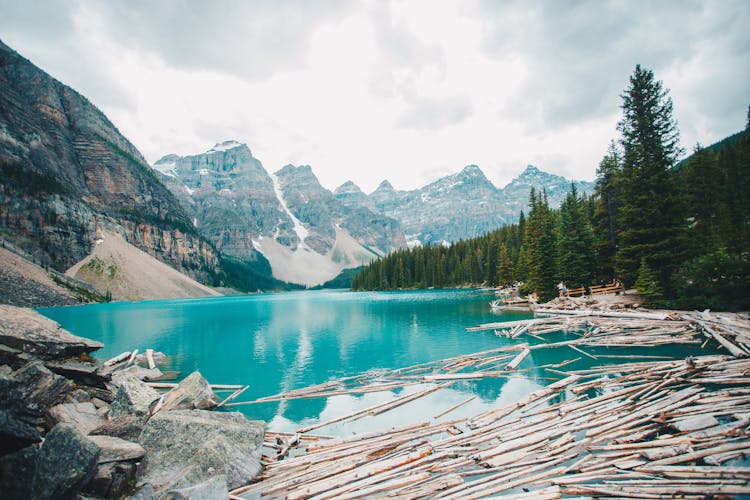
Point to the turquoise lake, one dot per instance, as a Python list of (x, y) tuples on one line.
[(284, 341)]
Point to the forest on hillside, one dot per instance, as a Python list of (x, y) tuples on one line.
[(679, 232)]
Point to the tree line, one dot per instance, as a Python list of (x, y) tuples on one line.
[(678, 231)]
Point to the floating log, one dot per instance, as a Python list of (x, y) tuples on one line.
[(150, 359), (132, 357), (232, 396), (518, 359), (117, 359), (454, 407)]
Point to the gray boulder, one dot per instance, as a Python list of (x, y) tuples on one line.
[(186, 447), (215, 487), (193, 393), (34, 390), (132, 397), (32, 333), (15, 434), (125, 427), (114, 449), (17, 472), (88, 373), (82, 416), (66, 462), (13, 357)]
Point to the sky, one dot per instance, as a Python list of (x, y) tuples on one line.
[(407, 91)]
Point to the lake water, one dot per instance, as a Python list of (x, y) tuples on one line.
[(279, 342)]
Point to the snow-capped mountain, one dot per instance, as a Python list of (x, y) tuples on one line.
[(309, 234), (465, 204), (305, 232)]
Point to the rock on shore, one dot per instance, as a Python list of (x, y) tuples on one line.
[(71, 426)]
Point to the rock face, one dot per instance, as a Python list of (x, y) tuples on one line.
[(67, 173), (32, 333), (66, 462), (133, 397), (246, 212), (193, 393), (229, 196), (185, 447), (34, 390), (82, 416)]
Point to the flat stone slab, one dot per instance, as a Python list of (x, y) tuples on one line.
[(117, 450), (83, 373), (30, 332), (82, 416)]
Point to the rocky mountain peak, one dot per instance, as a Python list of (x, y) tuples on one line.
[(226, 146), (472, 171), (347, 188), (384, 186)]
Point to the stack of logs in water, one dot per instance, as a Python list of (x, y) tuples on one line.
[(646, 427)]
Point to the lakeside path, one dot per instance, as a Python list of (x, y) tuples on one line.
[(645, 429)]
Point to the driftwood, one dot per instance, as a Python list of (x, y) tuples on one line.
[(639, 427)]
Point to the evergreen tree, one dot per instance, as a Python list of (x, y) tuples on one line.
[(539, 245), (576, 259), (504, 266), (650, 224), (647, 282), (606, 206)]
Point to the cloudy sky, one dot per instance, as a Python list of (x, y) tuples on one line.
[(403, 90)]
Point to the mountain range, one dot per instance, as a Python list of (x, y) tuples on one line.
[(293, 221), (73, 188)]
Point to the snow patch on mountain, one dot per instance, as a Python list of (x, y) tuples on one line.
[(224, 146), (299, 229)]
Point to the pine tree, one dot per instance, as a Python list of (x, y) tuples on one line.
[(606, 206), (647, 282), (539, 245), (650, 222), (504, 266), (576, 259)]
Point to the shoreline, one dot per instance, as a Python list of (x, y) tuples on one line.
[(435, 458)]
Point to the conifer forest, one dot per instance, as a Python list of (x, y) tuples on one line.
[(676, 230)]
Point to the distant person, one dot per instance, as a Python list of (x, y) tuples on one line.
[(586, 290), (563, 289)]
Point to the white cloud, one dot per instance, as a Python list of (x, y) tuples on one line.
[(403, 90)]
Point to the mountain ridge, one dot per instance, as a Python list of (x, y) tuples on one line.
[(68, 175)]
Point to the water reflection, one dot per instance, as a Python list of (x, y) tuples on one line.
[(278, 342)]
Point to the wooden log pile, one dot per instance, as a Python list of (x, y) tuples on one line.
[(647, 428)]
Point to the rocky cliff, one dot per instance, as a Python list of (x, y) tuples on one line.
[(307, 233), (68, 174)]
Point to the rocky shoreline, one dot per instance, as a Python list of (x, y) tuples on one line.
[(72, 426)]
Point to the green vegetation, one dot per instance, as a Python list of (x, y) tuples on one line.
[(100, 267), (343, 280), (678, 232), (251, 276), (83, 294)]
